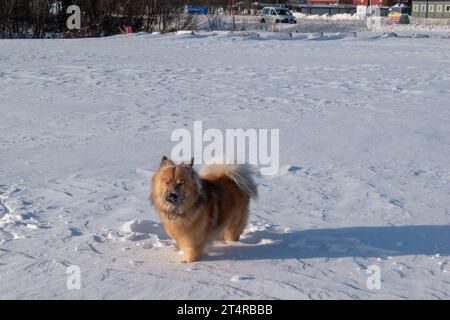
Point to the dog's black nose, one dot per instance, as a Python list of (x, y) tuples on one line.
[(173, 197)]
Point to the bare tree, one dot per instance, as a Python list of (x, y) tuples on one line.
[(36, 18)]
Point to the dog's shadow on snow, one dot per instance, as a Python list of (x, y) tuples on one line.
[(336, 243)]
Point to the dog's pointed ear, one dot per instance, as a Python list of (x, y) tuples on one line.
[(192, 162), (165, 161)]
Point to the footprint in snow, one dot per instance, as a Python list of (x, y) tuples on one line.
[(75, 232), (237, 278), (287, 169)]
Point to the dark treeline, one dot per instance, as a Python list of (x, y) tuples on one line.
[(43, 18)]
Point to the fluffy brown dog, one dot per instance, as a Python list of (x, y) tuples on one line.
[(198, 209)]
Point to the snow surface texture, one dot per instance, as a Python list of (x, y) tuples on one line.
[(365, 149)]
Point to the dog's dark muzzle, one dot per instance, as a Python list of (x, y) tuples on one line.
[(173, 197)]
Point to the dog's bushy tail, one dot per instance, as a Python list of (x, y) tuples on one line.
[(241, 174)]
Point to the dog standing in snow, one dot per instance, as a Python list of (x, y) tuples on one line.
[(197, 209)]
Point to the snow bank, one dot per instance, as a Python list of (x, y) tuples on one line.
[(335, 17)]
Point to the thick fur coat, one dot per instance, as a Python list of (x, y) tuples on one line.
[(197, 209)]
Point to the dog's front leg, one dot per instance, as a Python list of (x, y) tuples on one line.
[(191, 254)]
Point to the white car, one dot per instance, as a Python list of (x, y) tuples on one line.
[(277, 15)]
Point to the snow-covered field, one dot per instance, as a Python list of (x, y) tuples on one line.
[(364, 151)]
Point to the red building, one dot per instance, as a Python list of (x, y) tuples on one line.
[(381, 3), (330, 1), (322, 1)]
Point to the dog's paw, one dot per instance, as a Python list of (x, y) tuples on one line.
[(191, 255), (190, 258)]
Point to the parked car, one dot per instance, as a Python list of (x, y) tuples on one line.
[(277, 15)]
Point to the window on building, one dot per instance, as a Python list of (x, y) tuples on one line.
[(423, 7), (447, 8), (431, 8), (439, 8), (416, 8)]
